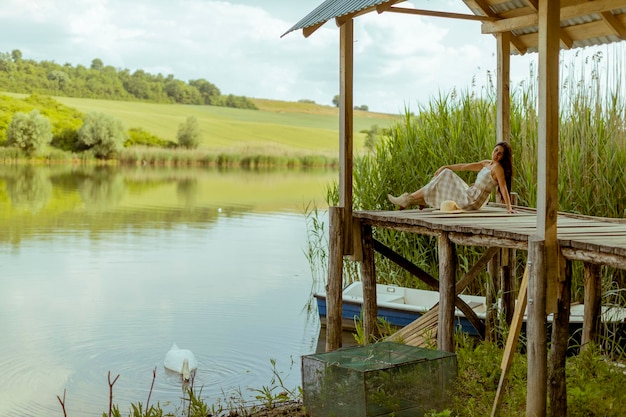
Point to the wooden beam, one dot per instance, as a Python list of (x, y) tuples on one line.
[(493, 288), (569, 12), (599, 258), (548, 141), (308, 31), (471, 316), (368, 273), (593, 303), (614, 24), (406, 264), (503, 91), (536, 354), (447, 294), (432, 13), (566, 40), (558, 346), (340, 20), (511, 341), (520, 47), (346, 122), (334, 284)]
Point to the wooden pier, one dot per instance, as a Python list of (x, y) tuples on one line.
[(591, 240)]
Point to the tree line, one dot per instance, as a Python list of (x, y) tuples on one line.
[(100, 81), (39, 123)]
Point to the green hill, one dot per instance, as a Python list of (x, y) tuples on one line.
[(276, 127)]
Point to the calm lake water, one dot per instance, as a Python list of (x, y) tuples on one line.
[(102, 269)]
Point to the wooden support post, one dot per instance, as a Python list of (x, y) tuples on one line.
[(493, 268), (503, 116), (346, 119), (593, 303), (536, 330), (507, 285), (447, 293), (558, 346), (334, 284), (511, 341), (368, 273), (545, 247)]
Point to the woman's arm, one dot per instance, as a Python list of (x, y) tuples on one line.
[(499, 172), (472, 166)]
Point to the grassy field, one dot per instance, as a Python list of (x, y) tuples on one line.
[(277, 127)]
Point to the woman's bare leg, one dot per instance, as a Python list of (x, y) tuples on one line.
[(407, 200), (418, 198)]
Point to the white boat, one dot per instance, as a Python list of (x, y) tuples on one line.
[(400, 306)]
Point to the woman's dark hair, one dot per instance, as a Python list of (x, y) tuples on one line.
[(507, 165)]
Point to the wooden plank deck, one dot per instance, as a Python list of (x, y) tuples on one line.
[(584, 238)]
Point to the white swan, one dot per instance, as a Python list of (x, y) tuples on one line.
[(182, 361)]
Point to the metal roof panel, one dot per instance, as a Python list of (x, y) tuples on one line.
[(331, 9), (586, 23)]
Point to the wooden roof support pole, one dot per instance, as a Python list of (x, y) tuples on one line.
[(447, 293), (503, 134), (346, 119), (503, 115), (545, 254)]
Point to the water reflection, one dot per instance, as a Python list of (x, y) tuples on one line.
[(109, 266), (28, 188)]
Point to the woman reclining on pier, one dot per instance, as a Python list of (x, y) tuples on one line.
[(446, 185)]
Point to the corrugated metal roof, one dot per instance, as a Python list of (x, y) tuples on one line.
[(331, 9), (583, 24)]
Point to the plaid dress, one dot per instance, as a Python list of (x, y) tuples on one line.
[(449, 186)]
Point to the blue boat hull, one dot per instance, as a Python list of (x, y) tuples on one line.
[(351, 313)]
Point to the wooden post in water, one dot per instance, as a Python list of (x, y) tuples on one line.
[(536, 330), (592, 302), (368, 273), (558, 346), (447, 293), (334, 283)]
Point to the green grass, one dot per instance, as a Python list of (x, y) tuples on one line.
[(276, 128)]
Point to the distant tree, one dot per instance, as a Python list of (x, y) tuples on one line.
[(182, 93), (189, 133), (29, 132), (60, 79), (97, 64), (336, 100), (208, 91), (16, 54), (306, 101), (103, 134), (372, 137), (236, 102), (362, 107), (6, 62)]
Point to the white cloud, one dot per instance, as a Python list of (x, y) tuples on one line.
[(236, 45)]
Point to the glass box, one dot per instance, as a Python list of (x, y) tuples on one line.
[(381, 379)]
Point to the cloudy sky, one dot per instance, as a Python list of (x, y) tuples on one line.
[(400, 60)]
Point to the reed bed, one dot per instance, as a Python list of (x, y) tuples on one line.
[(220, 159), (143, 155)]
